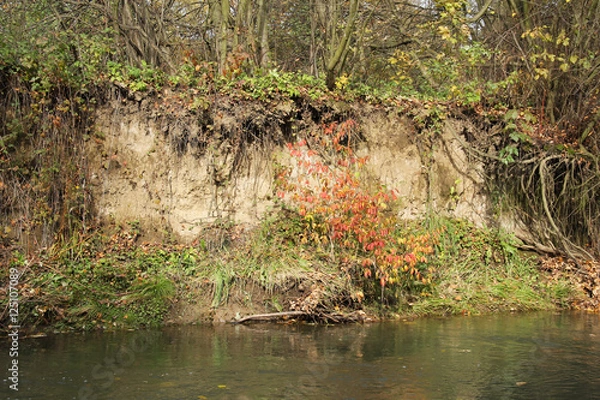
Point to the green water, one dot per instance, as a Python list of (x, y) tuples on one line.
[(530, 356)]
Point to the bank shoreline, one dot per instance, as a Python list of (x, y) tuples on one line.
[(118, 281)]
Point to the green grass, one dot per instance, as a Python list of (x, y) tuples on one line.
[(103, 283), (98, 283), (267, 260), (480, 270)]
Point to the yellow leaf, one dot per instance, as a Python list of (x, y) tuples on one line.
[(444, 32), (341, 82), (222, 386), (573, 59), (540, 72), (564, 67)]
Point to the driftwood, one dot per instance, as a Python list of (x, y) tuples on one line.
[(336, 318), (261, 317)]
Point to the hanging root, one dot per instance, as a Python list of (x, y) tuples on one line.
[(557, 197)]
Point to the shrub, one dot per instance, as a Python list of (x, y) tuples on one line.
[(350, 216)]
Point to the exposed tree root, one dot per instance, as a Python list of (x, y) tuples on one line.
[(557, 199), (537, 247), (556, 193)]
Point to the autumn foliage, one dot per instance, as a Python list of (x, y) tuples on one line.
[(348, 214)]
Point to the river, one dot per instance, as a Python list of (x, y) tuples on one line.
[(519, 356)]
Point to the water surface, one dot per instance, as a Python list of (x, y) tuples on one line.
[(527, 356)]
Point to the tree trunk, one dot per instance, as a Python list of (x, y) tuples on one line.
[(263, 33), (337, 51)]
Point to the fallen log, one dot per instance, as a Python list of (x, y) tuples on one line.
[(336, 317), (261, 317)]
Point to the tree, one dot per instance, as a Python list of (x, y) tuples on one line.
[(338, 32), (140, 26), (339, 46), (551, 50)]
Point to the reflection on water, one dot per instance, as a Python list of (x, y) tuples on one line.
[(531, 356)]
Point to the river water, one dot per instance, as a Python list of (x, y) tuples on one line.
[(524, 356)]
